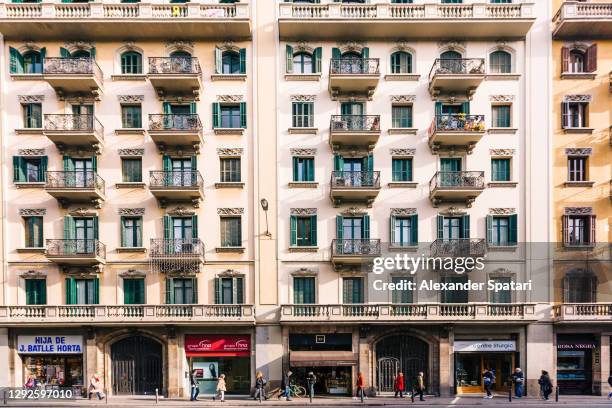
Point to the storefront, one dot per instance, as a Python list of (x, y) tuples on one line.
[(328, 356), (472, 357), (214, 354), (575, 363), (52, 360)]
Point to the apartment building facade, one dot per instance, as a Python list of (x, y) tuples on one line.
[(582, 161)]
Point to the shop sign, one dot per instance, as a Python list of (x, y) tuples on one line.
[(576, 346), (217, 344), (484, 345), (50, 344)]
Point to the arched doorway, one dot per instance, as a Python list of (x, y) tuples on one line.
[(409, 354), (137, 366)]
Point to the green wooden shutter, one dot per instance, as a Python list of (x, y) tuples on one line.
[(194, 284), (440, 226), (465, 107), (43, 54), (242, 54), (128, 291), (336, 53), (96, 229), (293, 230), (218, 299), (465, 226), (295, 169), (313, 230), (194, 226), (16, 64), (339, 227), (489, 224), (289, 57), (513, 229), (194, 163), (438, 108), (43, 291), (68, 163), (167, 220), (239, 287), (166, 163), (94, 163), (310, 169), (365, 232), (392, 229), (338, 162), (30, 295), (365, 52), (124, 238), (169, 291), (317, 60), (96, 291), (369, 162), (69, 227), (166, 108), (42, 169), (243, 115), (64, 53), (18, 169), (414, 229), (70, 291), (216, 115), (218, 61), (193, 108), (92, 52)]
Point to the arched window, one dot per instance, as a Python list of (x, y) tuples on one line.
[(81, 54), (401, 62), (131, 63), (351, 54), (500, 62), (180, 54), (448, 63), (32, 62), (577, 61), (230, 62), (302, 63)]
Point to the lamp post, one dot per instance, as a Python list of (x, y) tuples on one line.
[(264, 206)]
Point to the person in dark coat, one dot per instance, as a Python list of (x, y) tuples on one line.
[(488, 378), (399, 385), (518, 379), (286, 386), (420, 386), (545, 385), (260, 383), (610, 384), (195, 388)]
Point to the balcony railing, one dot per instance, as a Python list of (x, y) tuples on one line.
[(457, 66), (178, 247), (354, 66), (75, 180), (174, 65), (583, 311), (175, 122), (71, 66), (178, 180), (459, 122), (356, 247), (458, 247), (355, 123), (73, 123), (457, 180), (355, 179), (583, 19), (76, 248)]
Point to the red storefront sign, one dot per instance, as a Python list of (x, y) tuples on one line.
[(217, 345)]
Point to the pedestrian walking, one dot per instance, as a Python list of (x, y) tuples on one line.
[(360, 386), (260, 383), (610, 384), (221, 388), (195, 387), (95, 387), (286, 386), (399, 385), (311, 379), (30, 383), (420, 386), (545, 385), (518, 379), (488, 378)]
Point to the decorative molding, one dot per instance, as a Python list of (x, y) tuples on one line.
[(182, 45), (31, 152), (32, 212), (402, 152), (82, 212), (578, 210), (228, 45), (403, 212), (132, 273), (452, 211), (303, 211), (181, 211), (73, 46), (577, 98), (302, 46), (502, 152), (79, 99), (131, 152), (230, 211), (231, 272), (502, 211), (347, 46), (31, 98), (452, 98), (230, 151), (403, 98), (303, 151), (354, 211), (303, 98), (130, 98), (305, 271), (131, 211), (578, 151), (501, 98), (403, 45), (230, 98), (33, 274), (452, 45)]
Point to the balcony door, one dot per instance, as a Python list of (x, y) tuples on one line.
[(352, 231), (450, 62), (181, 172), (452, 228), (82, 117), (83, 172), (352, 108), (182, 232), (84, 232), (449, 166)]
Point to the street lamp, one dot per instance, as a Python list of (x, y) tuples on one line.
[(264, 206)]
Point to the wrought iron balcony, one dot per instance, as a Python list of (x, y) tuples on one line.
[(73, 130), (175, 74), (354, 130), (456, 130), (176, 255), (73, 75), (177, 186), (354, 186), (354, 251), (76, 251), (458, 247), (583, 312), (349, 75), (456, 186), (175, 129), (76, 186), (456, 75), (576, 20)]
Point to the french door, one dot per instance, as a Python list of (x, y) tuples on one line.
[(182, 174), (85, 235), (83, 172)]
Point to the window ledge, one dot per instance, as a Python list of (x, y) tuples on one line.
[(507, 184), (578, 75), (498, 130), (229, 185), (31, 250), (500, 248), (29, 131), (131, 249), (303, 130), (403, 131), (304, 249), (229, 131), (303, 184), (403, 184), (503, 77), (586, 247), (129, 77), (579, 183), (577, 130), (402, 77), (302, 77), (23, 184), (130, 131), (138, 184), (27, 77), (237, 250), (228, 77), (399, 248)]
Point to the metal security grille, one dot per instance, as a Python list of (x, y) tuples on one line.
[(387, 369), (411, 353), (137, 366)]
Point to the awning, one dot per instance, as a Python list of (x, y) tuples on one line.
[(322, 358)]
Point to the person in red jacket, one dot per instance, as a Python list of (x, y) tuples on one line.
[(399, 385), (360, 386)]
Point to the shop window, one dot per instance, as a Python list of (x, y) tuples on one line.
[(303, 169), (29, 169), (501, 116), (131, 63), (501, 296), (131, 169), (404, 295), (401, 63), (36, 291), (401, 169), (54, 371), (303, 230), (401, 116), (131, 116), (500, 62), (352, 290), (502, 230), (575, 114), (33, 232), (180, 291), (404, 230), (82, 291), (230, 170), (304, 291), (579, 230), (302, 114), (500, 169), (134, 291), (577, 168), (231, 232), (131, 232), (32, 115), (454, 296), (231, 116), (229, 290)]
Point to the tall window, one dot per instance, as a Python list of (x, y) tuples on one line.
[(303, 231), (579, 230), (131, 232), (401, 62), (304, 290), (32, 62), (577, 61), (352, 290), (501, 116), (32, 115), (230, 169), (577, 168), (303, 169), (500, 62), (133, 291), (131, 169), (504, 295), (231, 232), (302, 63), (302, 114), (401, 116), (28, 169), (500, 169), (401, 296), (131, 116), (82, 291), (502, 230), (230, 116), (36, 291), (401, 169), (229, 290), (182, 291), (33, 232), (131, 63), (404, 231), (575, 114), (454, 296), (579, 287), (230, 62)]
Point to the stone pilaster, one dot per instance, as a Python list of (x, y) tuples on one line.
[(604, 364), (445, 369), (541, 355), (175, 390)]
